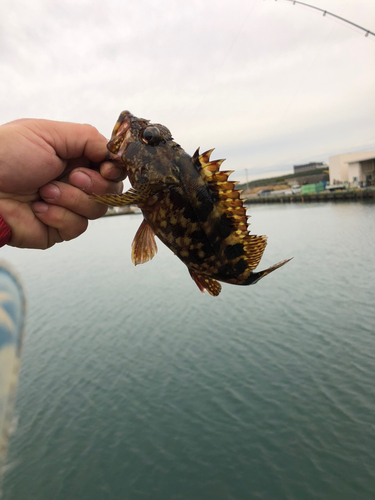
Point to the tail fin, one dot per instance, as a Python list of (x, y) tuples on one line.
[(255, 277)]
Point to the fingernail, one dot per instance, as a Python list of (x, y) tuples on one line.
[(115, 174), (50, 192), (80, 180), (39, 207)]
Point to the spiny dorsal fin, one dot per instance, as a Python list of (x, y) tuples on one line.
[(225, 189), (204, 158), (195, 158), (229, 202), (212, 166), (220, 176), (202, 162)]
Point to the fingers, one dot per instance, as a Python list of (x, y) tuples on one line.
[(92, 182), (66, 207), (112, 172), (76, 195), (40, 225), (63, 224), (27, 230)]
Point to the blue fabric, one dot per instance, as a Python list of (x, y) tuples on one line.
[(12, 314)]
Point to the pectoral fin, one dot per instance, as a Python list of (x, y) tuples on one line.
[(144, 245), (212, 286), (131, 197)]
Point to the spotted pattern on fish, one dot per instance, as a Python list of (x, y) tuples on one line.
[(188, 203)]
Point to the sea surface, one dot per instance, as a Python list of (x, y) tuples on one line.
[(134, 385)]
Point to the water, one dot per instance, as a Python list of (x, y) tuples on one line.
[(136, 386)]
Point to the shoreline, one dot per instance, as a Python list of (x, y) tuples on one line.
[(112, 214), (323, 196)]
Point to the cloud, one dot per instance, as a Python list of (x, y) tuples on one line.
[(264, 81)]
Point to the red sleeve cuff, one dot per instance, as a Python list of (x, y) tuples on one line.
[(5, 232)]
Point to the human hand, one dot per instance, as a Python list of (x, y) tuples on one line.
[(45, 182)]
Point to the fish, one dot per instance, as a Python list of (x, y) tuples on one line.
[(188, 203)]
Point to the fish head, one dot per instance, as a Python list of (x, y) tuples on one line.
[(145, 149)]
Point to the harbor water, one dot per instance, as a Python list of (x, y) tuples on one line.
[(136, 386)]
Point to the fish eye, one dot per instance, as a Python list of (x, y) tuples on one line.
[(151, 136)]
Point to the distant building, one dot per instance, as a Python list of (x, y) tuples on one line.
[(354, 168), (308, 166), (362, 172)]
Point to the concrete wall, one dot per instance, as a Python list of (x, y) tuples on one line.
[(355, 174)]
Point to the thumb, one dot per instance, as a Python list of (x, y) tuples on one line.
[(71, 140)]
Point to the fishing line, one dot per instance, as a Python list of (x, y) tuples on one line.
[(298, 89), (225, 57), (303, 79)]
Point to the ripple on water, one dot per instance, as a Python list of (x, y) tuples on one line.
[(133, 383)]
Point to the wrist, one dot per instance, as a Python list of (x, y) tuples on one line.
[(5, 232)]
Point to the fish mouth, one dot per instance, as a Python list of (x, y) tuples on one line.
[(120, 135)]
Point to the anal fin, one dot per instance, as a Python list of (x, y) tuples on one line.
[(131, 197), (212, 286), (144, 245)]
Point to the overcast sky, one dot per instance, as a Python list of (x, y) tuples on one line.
[(267, 83)]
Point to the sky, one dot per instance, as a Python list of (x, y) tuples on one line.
[(266, 83)]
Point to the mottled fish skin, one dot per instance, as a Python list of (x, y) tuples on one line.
[(188, 203)]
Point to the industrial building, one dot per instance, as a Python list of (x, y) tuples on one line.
[(308, 167), (356, 169)]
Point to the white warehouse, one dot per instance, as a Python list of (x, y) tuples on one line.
[(355, 168)]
